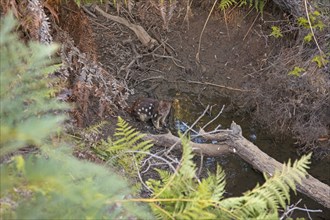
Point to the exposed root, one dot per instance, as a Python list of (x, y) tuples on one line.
[(142, 35)]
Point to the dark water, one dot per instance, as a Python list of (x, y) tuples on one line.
[(240, 176)]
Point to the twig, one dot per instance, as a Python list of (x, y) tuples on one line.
[(172, 48), (155, 77), (200, 36), (201, 164), (216, 130), (220, 86), (225, 17), (309, 216), (101, 25), (144, 163), (188, 8), (220, 112), (160, 42), (88, 12), (251, 26), (293, 207), (173, 59), (190, 128), (142, 152), (139, 175), (310, 26), (185, 133)]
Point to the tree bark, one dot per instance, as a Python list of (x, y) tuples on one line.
[(232, 141)]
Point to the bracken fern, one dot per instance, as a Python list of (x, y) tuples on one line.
[(186, 197), (128, 143), (182, 196), (27, 112), (257, 4), (263, 201)]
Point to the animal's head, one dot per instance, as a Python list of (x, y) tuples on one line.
[(164, 107)]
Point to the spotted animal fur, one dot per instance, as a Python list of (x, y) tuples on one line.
[(146, 109)]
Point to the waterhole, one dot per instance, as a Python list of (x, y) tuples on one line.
[(240, 176)]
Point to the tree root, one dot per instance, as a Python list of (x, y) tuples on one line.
[(142, 35)]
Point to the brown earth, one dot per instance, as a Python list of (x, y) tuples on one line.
[(231, 49)]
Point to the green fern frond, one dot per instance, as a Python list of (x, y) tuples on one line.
[(62, 187), (264, 201), (27, 111), (217, 183), (225, 4), (189, 198), (182, 196), (188, 168), (127, 139), (257, 4), (96, 127), (52, 183)]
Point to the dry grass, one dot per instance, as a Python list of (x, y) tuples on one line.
[(291, 105)]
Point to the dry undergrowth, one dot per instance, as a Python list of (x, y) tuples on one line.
[(94, 90), (297, 106)]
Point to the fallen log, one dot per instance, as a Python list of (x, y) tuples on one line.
[(233, 141)]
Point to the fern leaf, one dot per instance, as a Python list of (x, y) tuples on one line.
[(24, 91), (128, 139), (96, 127), (263, 201), (225, 4), (188, 168), (217, 184)]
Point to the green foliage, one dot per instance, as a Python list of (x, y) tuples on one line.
[(315, 19), (187, 197), (182, 196), (61, 187), (320, 60), (257, 4), (309, 37), (296, 71), (128, 142), (315, 23), (276, 32), (225, 4), (27, 111), (50, 184), (263, 201)]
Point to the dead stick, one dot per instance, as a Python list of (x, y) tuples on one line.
[(200, 36), (220, 86), (251, 26)]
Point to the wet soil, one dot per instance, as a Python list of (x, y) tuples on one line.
[(233, 47)]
